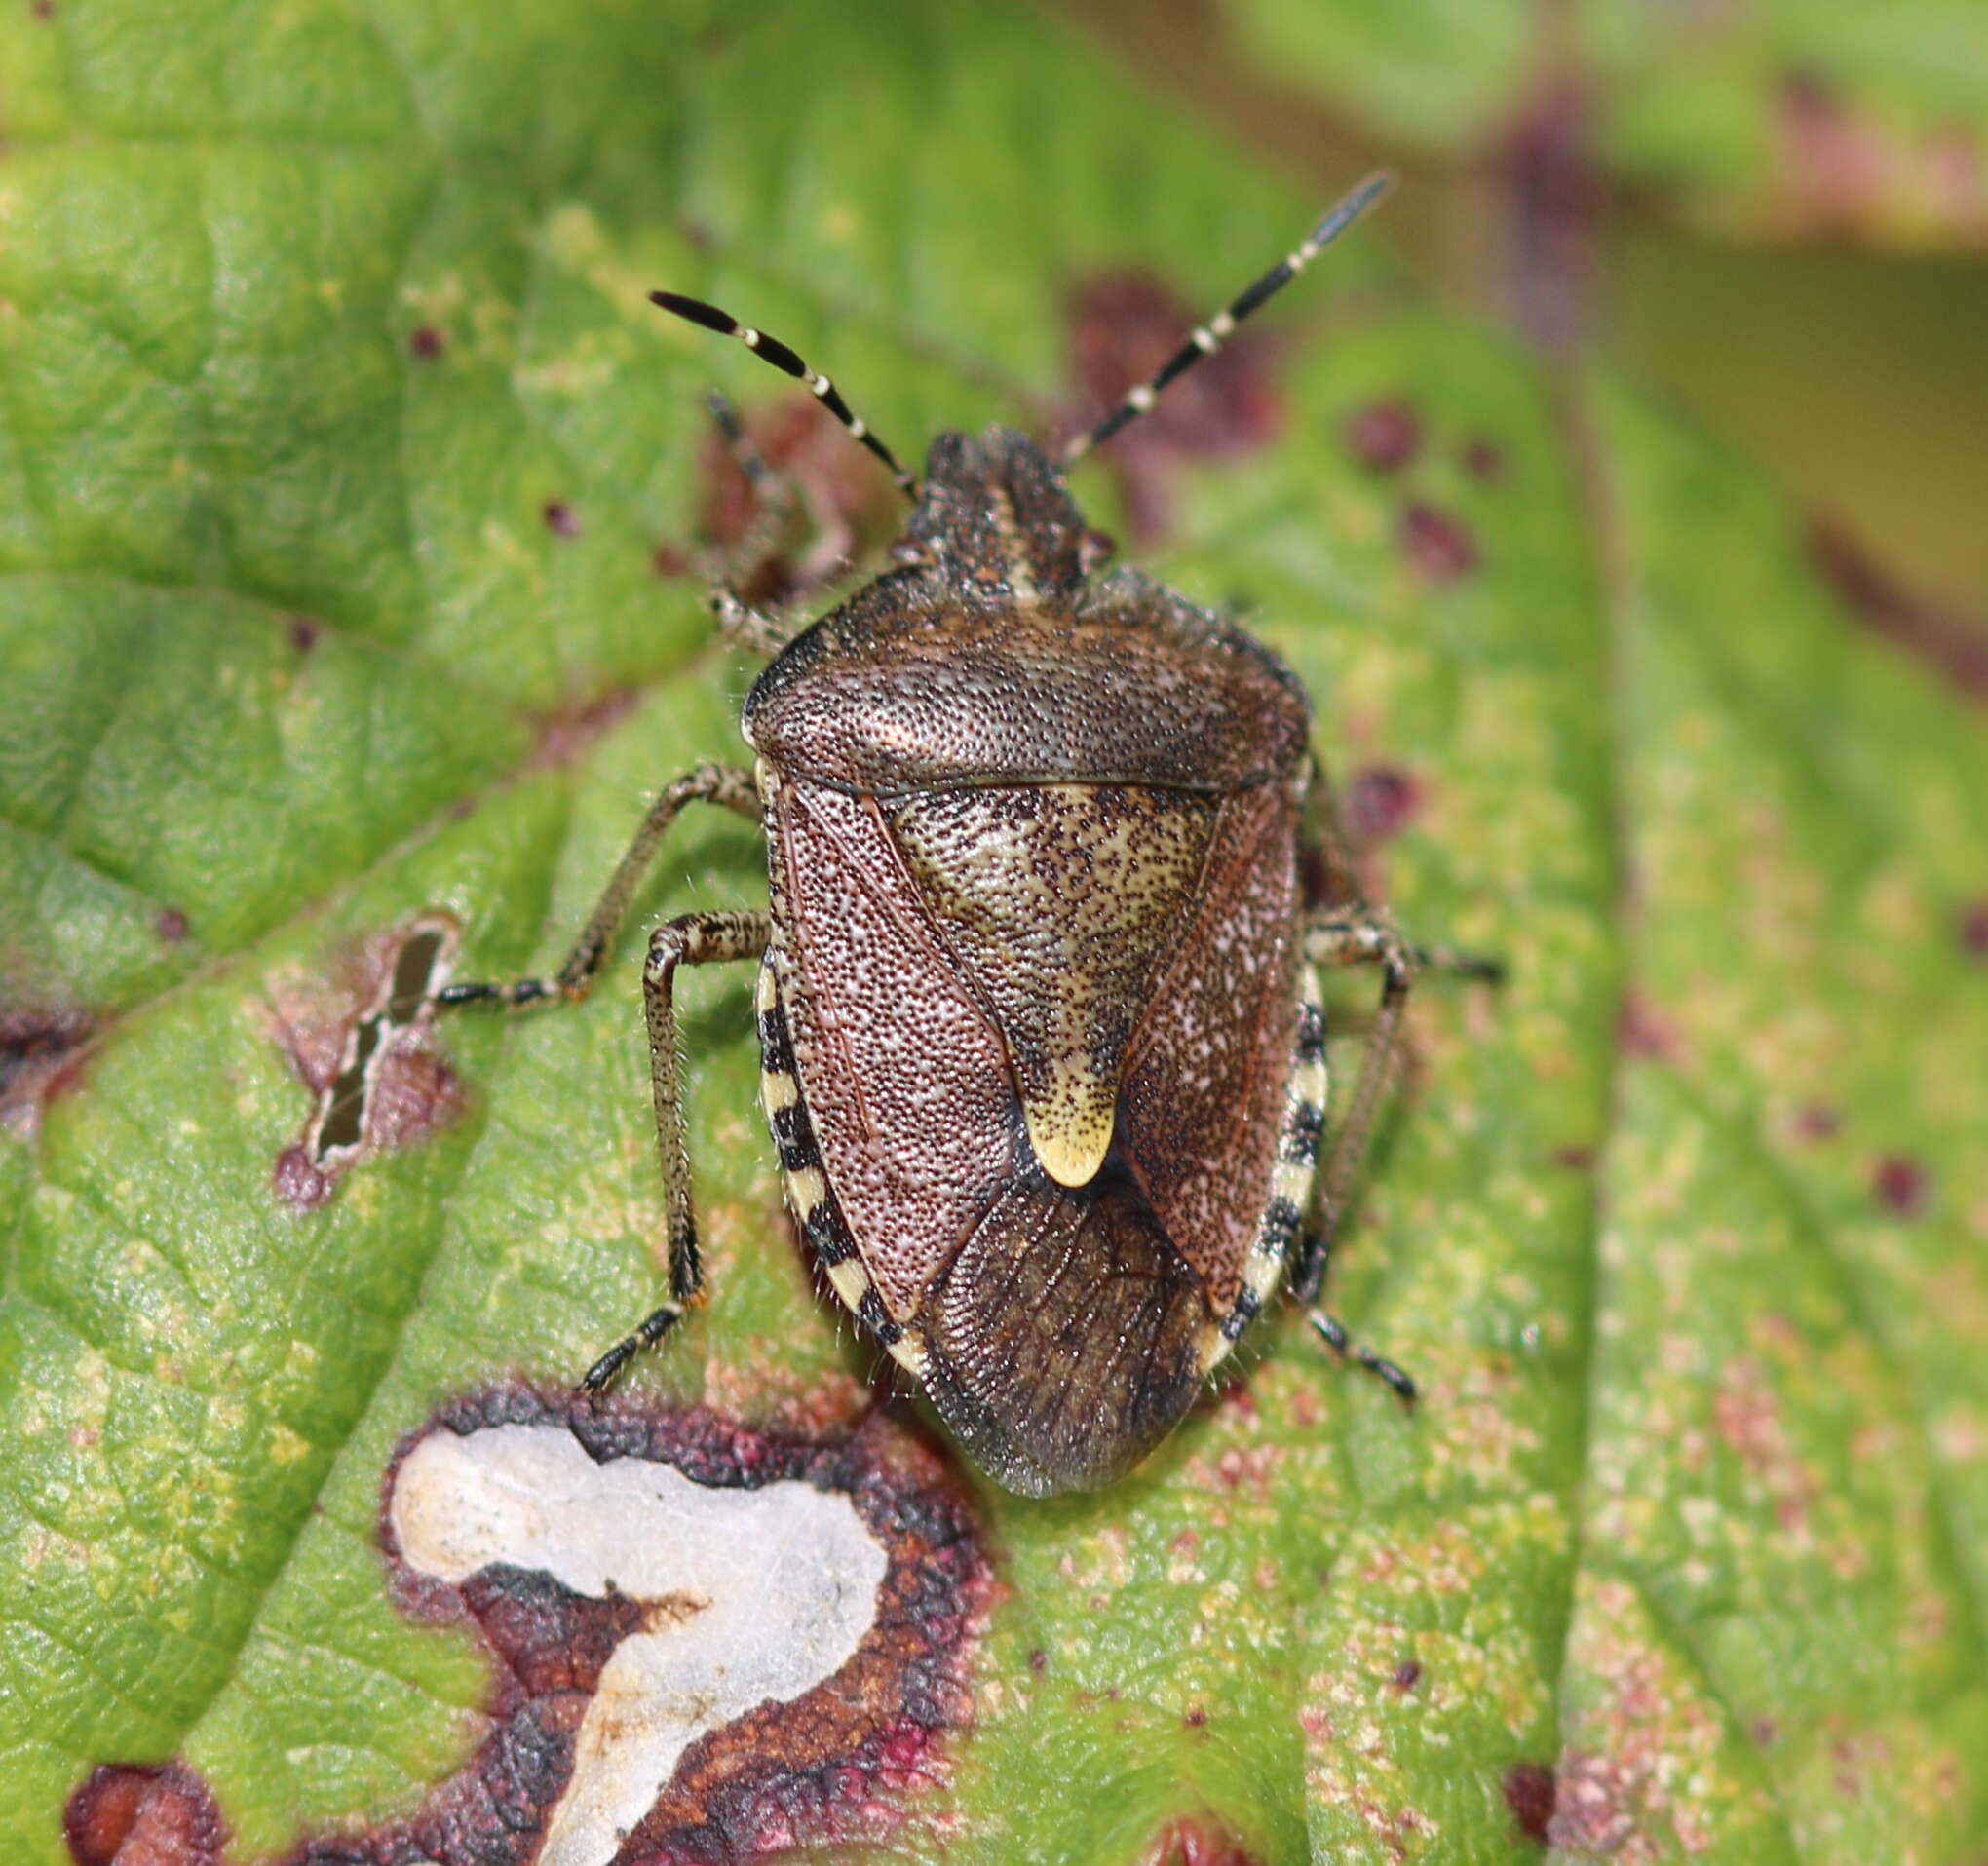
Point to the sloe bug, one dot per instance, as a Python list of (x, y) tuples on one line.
[(1043, 1049)]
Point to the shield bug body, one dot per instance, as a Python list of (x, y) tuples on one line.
[(1043, 1050)]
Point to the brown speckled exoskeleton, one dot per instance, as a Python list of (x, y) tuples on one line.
[(1043, 1050)]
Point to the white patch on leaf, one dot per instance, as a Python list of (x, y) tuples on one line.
[(761, 1594)]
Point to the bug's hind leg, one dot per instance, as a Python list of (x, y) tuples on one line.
[(725, 785), (694, 939), (1359, 936)]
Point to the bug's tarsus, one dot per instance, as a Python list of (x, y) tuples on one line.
[(1332, 1332), (772, 350), (605, 1371), (1207, 339), (1486, 968)]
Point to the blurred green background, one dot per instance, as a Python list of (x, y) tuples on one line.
[(1775, 211), (349, 498)]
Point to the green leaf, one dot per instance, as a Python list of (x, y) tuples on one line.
[(1790, 119), (340, 453)]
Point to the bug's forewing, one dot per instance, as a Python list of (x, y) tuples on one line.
[(1203, 1094), (905, 1081)]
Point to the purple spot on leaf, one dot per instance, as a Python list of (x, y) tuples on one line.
[(1436, 545), (1384, 436), (1529, 1792), (1643, 1031), (1900, 1185), (125, 1815), (1380, 801)]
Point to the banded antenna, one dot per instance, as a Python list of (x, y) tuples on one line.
[(1209, 337), (711, 318)]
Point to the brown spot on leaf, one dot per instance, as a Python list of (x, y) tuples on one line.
[(39, 1059), (1593, 1804), (1558, 196), (1484, 460), (1384, 436), (170, 926), (1971, 928), (425, 342), (299, 1181), (834, 1766), (1954, 644), (1195, 1840), (127, 1816), (1574, 1159), (1380, 801), (671, 561), (44, 9), (564, 734), (1835, 169), (1529, 1792), (362, 1044), (1406, 1675), (1746, 1416), (561, 520), (1642, 1030), (839, 502), (1124, 325), (1899, 1183), (1437, 547), (303, 633), (1818, 1121)]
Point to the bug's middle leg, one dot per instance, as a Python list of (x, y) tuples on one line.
[(694, 939)]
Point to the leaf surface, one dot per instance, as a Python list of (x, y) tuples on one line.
[(346, 482)]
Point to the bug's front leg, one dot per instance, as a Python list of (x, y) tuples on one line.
[(773, 503), (694, 939), (725, 785)]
